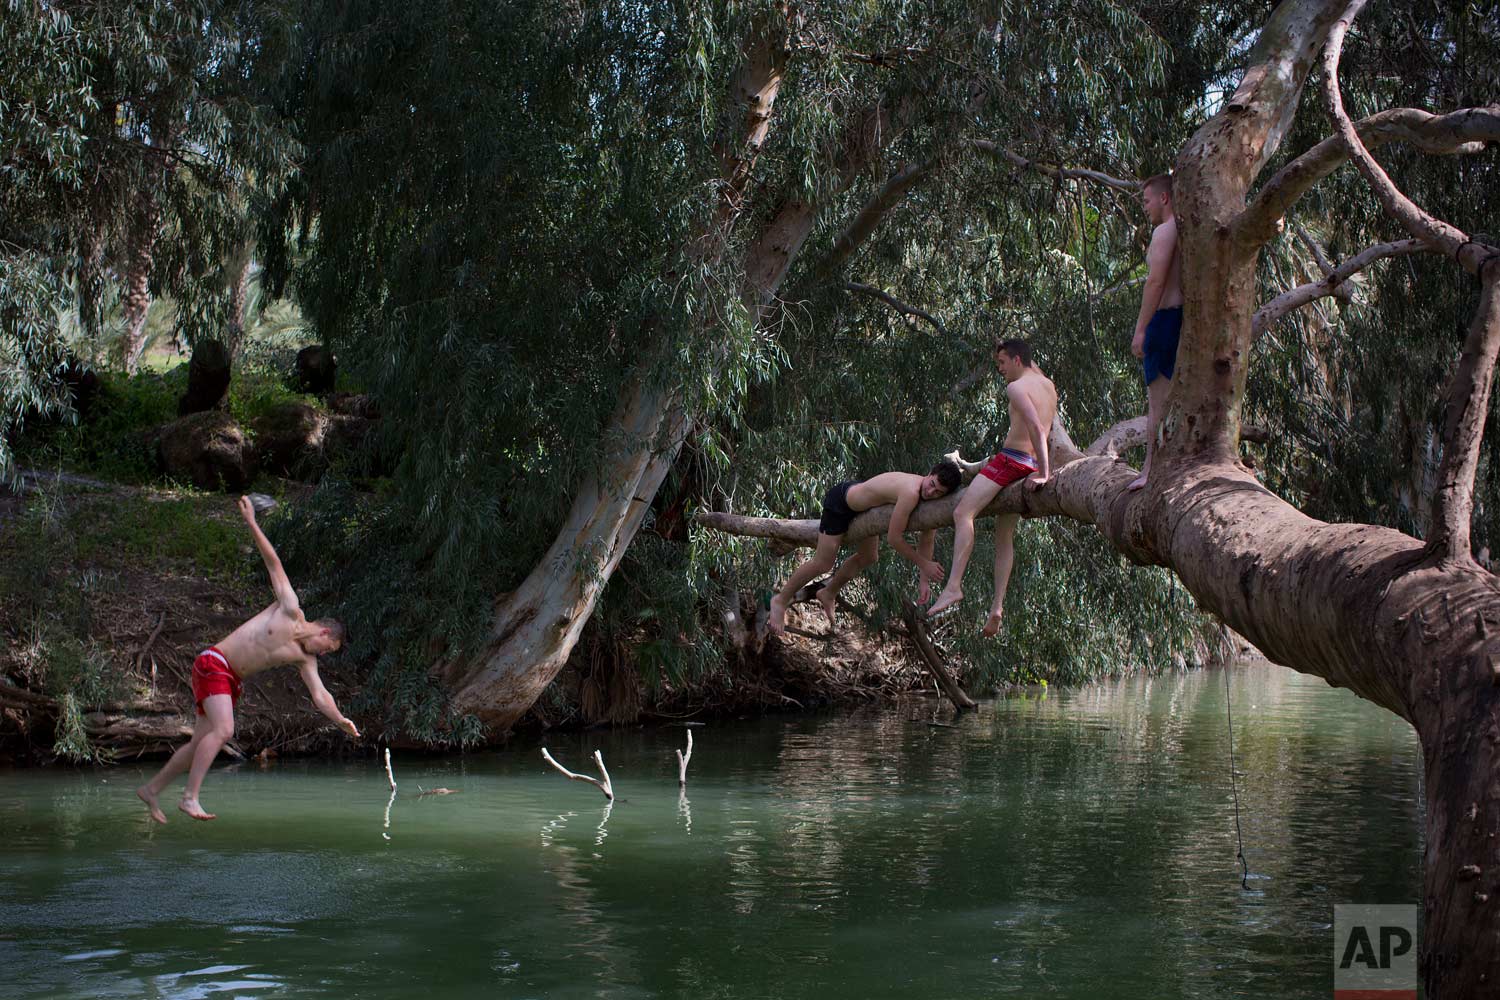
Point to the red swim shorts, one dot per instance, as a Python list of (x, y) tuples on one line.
[(1008, 467), (212, 675)]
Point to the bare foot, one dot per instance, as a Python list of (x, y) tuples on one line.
[(193, 809), (992, 624), (146, 795), (944, 601), (830, 601), (1138, 483), (777, 621)]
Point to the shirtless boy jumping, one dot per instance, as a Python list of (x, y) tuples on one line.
[(1033, 404), (278, 635), (840, 506)]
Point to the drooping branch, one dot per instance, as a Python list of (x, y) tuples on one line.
[(1467, 406), (1119, 286), (917, 628), (1463, 131), (1295, 298), (1444, 237), (1054, 171), (867, 133), (895, 303)]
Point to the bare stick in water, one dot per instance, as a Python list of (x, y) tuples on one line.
[(391, 777), (603, 786), (682, 761)]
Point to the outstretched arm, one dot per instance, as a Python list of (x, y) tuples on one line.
[(1021, 409), (896, 536), (285, 595), (322, 700)]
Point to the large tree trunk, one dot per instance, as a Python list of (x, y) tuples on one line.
[(1408, 626), (536, 626)]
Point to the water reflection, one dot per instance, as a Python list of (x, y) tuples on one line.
[(1079, 844)]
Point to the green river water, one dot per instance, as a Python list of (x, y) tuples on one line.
[(1077, 844)]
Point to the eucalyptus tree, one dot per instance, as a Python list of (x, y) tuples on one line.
[(1406, 624), (560, 243)]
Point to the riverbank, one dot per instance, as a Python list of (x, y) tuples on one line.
[(109, 591)]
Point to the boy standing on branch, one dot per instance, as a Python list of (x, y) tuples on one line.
[(1159, 325), (1033, 403), (278, 635)]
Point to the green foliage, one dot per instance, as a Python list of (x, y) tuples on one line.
[(44, 588), (506, 195), (31, 350), (122, 123), (157, 532), (113, 441), (498, 223)]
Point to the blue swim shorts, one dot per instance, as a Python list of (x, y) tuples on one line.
[(1162, 334)]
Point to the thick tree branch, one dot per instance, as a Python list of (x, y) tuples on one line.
[(1447, 239), (1070, 492), (1468, 404), (752, 98), (934, 513), (895, 303), (1295, 298), (1053, 171), (1463, 131), (865, 221)]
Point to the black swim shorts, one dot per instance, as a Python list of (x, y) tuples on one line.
[(837, 514)]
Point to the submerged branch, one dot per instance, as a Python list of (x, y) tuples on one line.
[(602, 783)]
